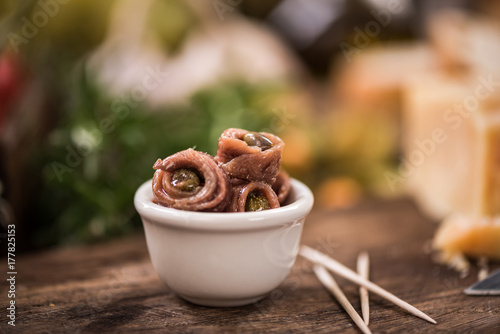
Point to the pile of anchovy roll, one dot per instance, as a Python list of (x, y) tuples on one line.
[(245, 175)]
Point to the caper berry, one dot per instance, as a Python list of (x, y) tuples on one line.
[(257, 139), (256, 202), (185, 180)]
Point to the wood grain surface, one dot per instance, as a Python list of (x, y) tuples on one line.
[(112, 287)]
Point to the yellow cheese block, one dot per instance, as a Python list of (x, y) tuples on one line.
[(376, 75), (451, 133), (462, 40), (475, 237)]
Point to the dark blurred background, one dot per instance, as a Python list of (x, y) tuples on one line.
[(93, 92)]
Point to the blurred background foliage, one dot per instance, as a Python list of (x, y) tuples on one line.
[(71, 159), (93, 199)]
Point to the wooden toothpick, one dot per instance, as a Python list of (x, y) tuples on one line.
[(363, 268), (341, 270), (334, 288)]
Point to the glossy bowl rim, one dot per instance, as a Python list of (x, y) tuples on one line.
[(224, 221)]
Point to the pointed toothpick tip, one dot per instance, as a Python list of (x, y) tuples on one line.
[(341, 270), (363, 268)]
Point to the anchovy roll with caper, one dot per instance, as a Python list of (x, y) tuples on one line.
[(191, 180), (253, 196), (282, 186), (252, 156)]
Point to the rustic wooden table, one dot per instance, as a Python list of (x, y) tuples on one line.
[(112, 287)]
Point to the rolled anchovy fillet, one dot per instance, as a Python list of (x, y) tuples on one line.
[(237, 182), (211, 193), (253, 156), (282, 186), (241, 194)]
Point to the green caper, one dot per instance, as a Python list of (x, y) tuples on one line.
[(257, 139), (185, 180), (256, 202)]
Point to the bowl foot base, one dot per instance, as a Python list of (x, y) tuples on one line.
[(223, 302)]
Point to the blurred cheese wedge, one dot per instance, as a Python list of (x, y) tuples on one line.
[(376, 75), (451, 128), (461, 40), (474, 237)]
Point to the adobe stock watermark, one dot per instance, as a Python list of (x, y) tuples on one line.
[(121, 107), (453, 117), (223, 6), (363, 37), (280, 119), (45, 10)]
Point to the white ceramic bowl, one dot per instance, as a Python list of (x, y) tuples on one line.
[(223, 259)]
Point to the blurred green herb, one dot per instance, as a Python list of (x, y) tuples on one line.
[(91, 171)]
